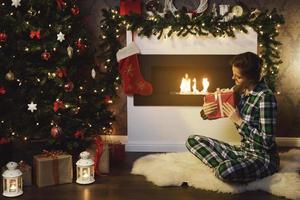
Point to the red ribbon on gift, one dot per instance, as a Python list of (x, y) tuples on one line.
[(36, 34), (54, 155), (99, 150), (60, 4)]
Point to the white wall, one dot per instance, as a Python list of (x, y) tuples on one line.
[(166, 128)]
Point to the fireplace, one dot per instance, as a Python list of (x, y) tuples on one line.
[(165, 73), (162, 122)]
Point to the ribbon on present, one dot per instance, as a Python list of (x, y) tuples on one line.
[(99, 150), (218, 97), (54, 155), (36, 34)]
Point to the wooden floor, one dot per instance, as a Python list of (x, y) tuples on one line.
[(120, 184)]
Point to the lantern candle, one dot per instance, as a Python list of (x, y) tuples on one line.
[(12, 180)]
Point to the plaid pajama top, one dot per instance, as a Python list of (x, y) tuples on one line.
[(258, 111)]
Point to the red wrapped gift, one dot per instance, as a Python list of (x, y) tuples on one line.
[(220, 97), (130, 6), (117, 152)]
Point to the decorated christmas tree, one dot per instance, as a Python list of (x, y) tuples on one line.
[(50, 88)]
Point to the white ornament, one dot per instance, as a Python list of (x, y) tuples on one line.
[(32, 107), (60, 36), (169, 6), (70, 51), (93, 73), (16, 3)]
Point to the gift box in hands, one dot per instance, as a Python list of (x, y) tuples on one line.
[(220, 97)]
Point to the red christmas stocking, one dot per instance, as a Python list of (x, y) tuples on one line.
[(129, 68)]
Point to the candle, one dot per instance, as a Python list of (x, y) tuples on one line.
[(12, 186)]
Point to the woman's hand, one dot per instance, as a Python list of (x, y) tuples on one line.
[(209, 108), (232, 113)]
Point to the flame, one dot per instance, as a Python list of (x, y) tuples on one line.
[(205, 85), (185, 86), (85, 174)]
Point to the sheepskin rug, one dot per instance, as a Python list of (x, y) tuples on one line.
[(172, 169)]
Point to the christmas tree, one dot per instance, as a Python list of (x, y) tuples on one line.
[(50, 88)]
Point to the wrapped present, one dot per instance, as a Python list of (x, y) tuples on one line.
[(130, 6), (117, 152), (26, 173), (220, 97), (52, 168), (99, 151)]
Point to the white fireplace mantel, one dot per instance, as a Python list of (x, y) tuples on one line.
[(166, 128)]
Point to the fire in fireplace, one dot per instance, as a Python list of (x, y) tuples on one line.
[(175, 78)]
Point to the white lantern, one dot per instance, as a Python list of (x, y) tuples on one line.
[(12, 181), (85, 169)]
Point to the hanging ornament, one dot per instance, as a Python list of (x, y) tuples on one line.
[(69, 86), (57, 105), (75, 10), (60, 36), (152, 5), (2, 90), (70, 51), (61, 72), (46, 55), (55, 131), (3, 37), (79, 134), (32, 107), (36, 34), (10, 76), (16, 3), (93, 73)]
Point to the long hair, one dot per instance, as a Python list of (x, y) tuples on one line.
[(250, 66)]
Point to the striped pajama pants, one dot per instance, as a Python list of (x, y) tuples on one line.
[(231, 163)]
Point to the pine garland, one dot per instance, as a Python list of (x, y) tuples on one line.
[(265, 23)]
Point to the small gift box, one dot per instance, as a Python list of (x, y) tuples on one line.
[(117, 152), (130, 6), (99, 151), (26, 173), (52, 168), (220, 97)]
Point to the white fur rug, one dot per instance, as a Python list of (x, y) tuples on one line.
[(172, 169)]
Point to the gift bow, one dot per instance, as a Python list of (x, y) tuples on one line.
[(60, 4), (52, 154), (57, 105), (36, 34)]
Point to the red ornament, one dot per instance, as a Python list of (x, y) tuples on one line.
[(55, 131), (36, 34), (80, 44), (4, 140), (75, 10), (61, 72), (57, 105), (60, 4), (45, 55), (79, 134), (2, 90), (3, 37), (69, 86)]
